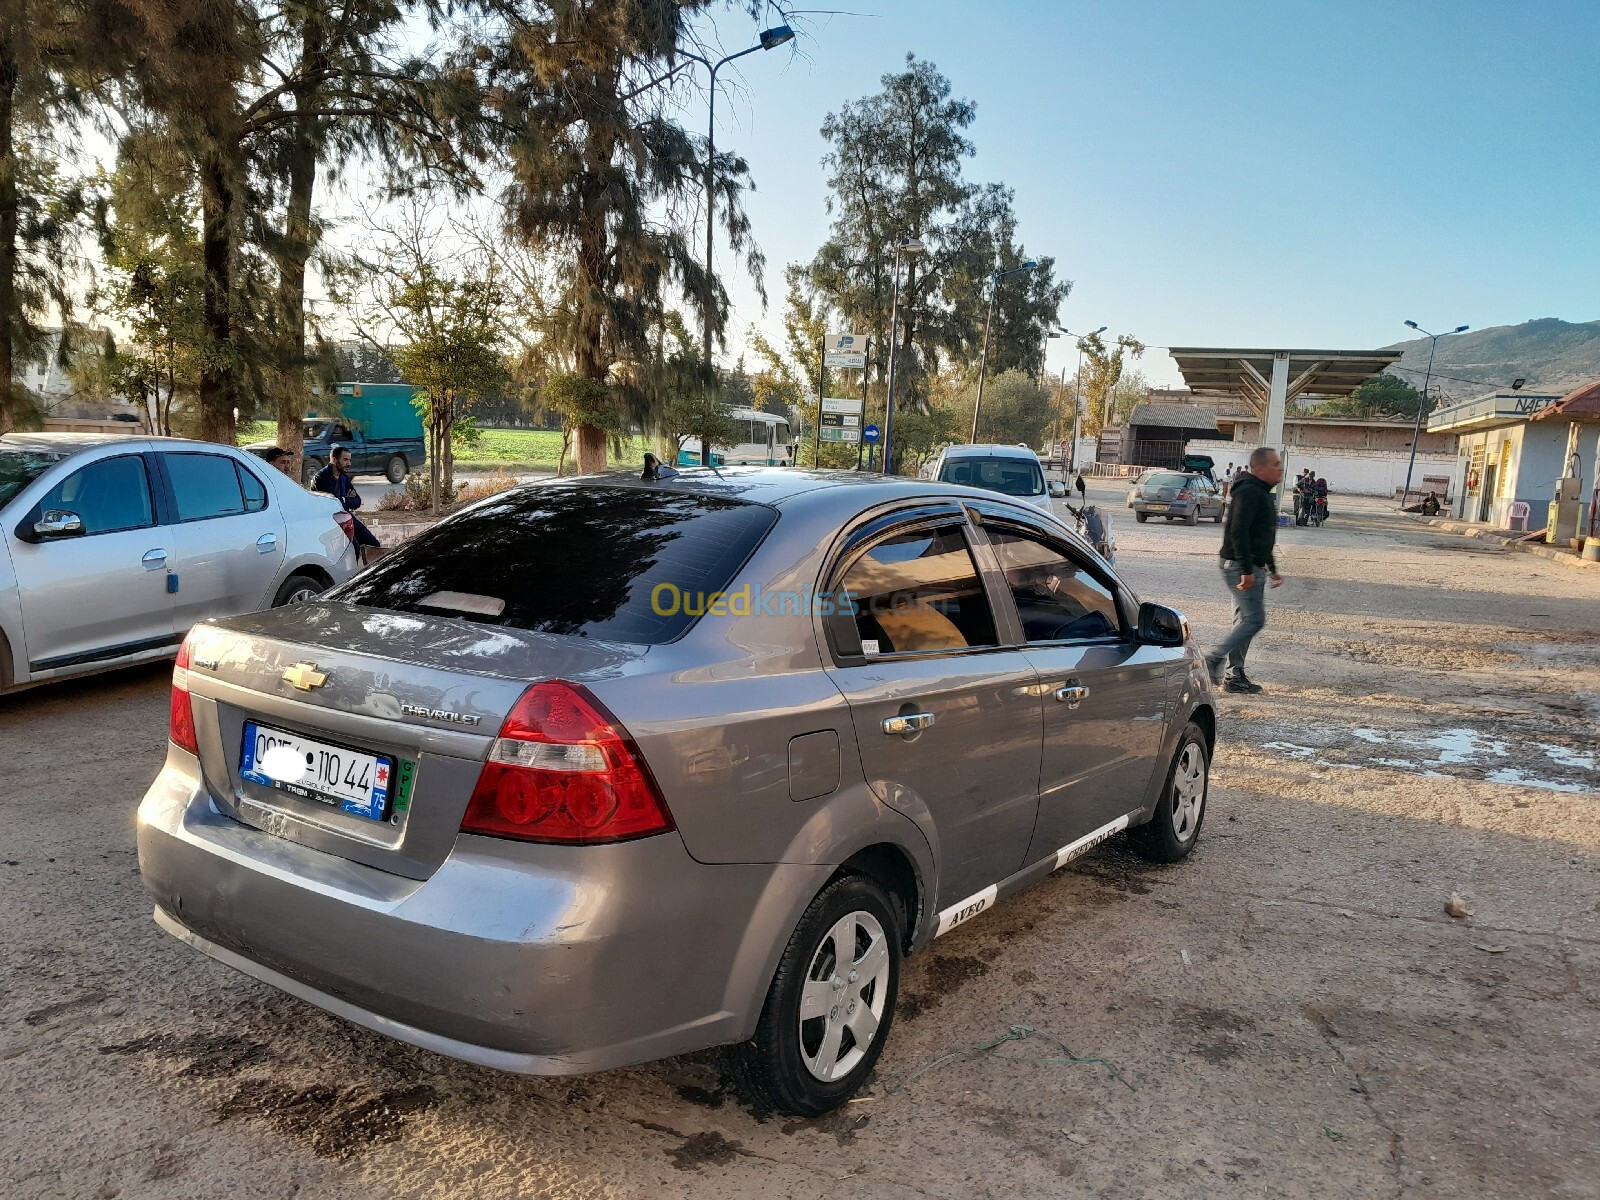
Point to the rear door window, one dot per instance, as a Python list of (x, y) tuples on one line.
[(914, 592), (204, 486), (620, 563)]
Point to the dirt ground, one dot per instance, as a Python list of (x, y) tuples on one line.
[(1290, 1013)]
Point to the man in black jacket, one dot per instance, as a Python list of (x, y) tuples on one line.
[(1248, 535), (334, 479)]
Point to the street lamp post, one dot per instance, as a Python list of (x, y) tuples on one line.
[(1077, 392), (768, 39), (1427, 378), (911, 246), (983, 363)]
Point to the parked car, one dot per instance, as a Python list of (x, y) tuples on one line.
[(599, 771), (1009, 470), (376, 422), (111, 547), (1176, 495)]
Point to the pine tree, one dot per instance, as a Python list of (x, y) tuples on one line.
[(602, 177)]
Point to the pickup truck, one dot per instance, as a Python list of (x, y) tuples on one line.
[(376, 422), (392, 458)]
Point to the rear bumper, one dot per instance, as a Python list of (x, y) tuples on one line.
[(537, 959)]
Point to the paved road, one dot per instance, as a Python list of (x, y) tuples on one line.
[(1288, 1014)]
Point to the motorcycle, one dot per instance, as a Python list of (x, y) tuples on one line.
[(1094, 526)]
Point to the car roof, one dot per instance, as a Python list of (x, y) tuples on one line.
[(71, 443), (819, 493), (987, 450)]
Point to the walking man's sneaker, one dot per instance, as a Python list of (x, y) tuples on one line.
[(1238, 683)]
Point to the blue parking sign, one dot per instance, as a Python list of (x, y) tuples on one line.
[(871, 434)]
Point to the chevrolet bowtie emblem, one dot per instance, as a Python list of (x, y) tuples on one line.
[(305, 676)]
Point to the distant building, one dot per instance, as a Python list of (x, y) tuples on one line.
[(1503, 459)]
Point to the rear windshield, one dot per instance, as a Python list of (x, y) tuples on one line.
[(624, 564), (1169, 479), (19, 468), (1008, 476)]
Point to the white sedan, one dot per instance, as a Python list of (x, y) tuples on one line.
[(111, 547)]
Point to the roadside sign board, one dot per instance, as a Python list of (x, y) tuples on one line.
[(839, 404), (871, 434), (837, 433), (844, 350)]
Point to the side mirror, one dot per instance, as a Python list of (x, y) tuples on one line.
[(1058, 489), (1162, 626), (55, 523)]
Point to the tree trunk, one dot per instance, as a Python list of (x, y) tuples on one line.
[(566, 444), (434, 465), (219, 391), (299, 240), (447, 449), (8, 230), (591, 449), (291, 388)]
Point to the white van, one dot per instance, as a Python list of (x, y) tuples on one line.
[(1010, 470)]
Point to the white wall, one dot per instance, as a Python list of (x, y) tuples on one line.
[(1348, 472), (1538, 453)]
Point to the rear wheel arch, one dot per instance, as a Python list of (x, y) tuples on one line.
[(1206, 718), (8, 674), (894, 870)]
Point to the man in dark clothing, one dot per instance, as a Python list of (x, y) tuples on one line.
[(334, 479), (1248, 535)]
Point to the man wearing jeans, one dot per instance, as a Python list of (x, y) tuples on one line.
[(1248, 534)]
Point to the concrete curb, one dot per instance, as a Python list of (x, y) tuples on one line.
[(1508, 539)]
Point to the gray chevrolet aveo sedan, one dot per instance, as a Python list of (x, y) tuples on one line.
[(601, 771)]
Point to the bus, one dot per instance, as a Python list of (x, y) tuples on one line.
[(765, 441)]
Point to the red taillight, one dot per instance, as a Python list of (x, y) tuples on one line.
[(1183, 493), (347, 523), (181, 711), (563, 770)]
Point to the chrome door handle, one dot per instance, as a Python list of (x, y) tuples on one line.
[(1072, 695), (154, 560), (909, 723), (267, 543)]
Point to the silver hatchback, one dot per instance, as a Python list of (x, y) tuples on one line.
[(602, 771)]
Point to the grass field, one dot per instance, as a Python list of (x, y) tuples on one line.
[(497, 449)]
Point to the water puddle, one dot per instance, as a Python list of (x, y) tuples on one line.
[(1461, 748)]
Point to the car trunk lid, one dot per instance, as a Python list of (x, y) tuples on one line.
[(399, 701)]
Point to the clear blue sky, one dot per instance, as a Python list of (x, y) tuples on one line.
[(1229, 172)]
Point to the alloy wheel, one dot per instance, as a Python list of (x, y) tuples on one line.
[(1188, 791), (842, 1000)]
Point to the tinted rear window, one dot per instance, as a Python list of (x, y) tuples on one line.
[(1008, 476), (581, 561), (1169, 479)]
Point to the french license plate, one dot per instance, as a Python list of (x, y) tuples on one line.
[(351, 780), (1156, 507)]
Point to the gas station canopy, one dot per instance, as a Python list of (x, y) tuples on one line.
[(1268, 379)]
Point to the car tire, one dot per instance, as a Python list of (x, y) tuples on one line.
[(1141, 517), (1217, 520), (396, 468), (810, 1066), (1193, 518), (297, 589), (309, 470), (1171, 833)]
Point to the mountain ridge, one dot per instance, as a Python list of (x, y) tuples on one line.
[(1551, 354)]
